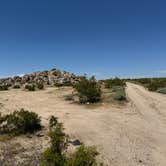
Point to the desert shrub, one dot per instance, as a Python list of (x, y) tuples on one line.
[(16, 86), (69, 97), (144, 81), (114, 82), (3, 87), (89, 90), (152, 84), (163, 91), (20, 122), (84, 156), (30, 87), (40, 86), (58, 84), (56, 154), (49, 158), (119, 93), (53, 121), (58, 139), (2, 118)]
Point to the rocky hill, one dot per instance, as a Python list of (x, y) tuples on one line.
[(52, 77)]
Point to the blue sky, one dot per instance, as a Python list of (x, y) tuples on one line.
[(99, 37)]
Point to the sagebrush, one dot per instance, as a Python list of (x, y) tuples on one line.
[(20, 122), (56, 154), (89, 90)]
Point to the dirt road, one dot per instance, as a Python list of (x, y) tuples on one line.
[(131, 135), (151, 109)]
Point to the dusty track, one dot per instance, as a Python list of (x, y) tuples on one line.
[(151, 108), (132, 135)]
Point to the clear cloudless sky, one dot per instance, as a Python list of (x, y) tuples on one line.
[(106, 38)]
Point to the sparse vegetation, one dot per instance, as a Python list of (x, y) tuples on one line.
[(88, 90), (35, 86), (16, 86), (19, 122), (109, 83), (152, 84), (53, 121), (30, 87), (117, 86), (119, 93), (162, 90), (40, 86), (56, 154), (69, 97), (84, 156), (58, 84), (3, 87)]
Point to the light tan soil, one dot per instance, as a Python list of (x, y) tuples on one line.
[(130, 135)]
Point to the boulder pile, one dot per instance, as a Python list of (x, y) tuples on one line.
[(52, 78)]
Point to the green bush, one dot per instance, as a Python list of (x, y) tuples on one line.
[(64, 83), (3, 87), (58, 84), (40, 86), (53, 121), (88, 90), (114, 82), (16, 86), (56, 154), (59, 139), (84, 156), (153, 84), (69, 97), (20, 122), (49, 158), (30, 87), (119, 93)]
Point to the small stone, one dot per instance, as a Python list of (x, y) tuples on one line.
[(76, 142), (140, 161)]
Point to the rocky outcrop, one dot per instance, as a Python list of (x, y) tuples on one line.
[(52, 77)]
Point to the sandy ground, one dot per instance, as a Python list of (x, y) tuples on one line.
[(130, 135)]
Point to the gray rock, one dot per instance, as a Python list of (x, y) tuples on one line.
[(51, 77)]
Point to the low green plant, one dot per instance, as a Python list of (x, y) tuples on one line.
[(69, 97), (88, 90), (58, 139), (40, 86), (3, 87), (49, 158), (56, 154), (58, 84), (117, 86), (16, 86), (84, 156), (53, 121), (119, 93), (114, 82), (30, 87), (152, 84), (19, 122)]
